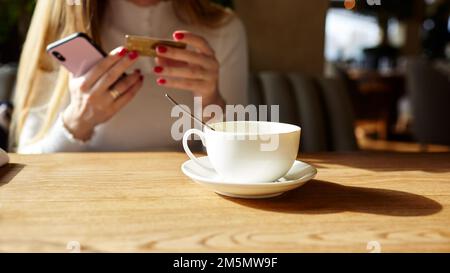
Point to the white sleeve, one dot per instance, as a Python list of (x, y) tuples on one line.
[(233, 58), (58, 139)]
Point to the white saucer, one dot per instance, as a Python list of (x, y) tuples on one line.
[(298, 175)]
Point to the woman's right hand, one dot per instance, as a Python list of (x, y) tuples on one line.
[(101, 93)]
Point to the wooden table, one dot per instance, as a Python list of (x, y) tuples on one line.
[(143, 202)]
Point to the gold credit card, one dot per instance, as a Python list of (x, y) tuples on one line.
[(146, 46)]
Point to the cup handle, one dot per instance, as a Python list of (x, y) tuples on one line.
[(188, 151)]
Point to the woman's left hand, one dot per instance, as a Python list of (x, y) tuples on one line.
[(194, 70)]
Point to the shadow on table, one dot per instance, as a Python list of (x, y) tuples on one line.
[(385, 162), (8, 172), (320, 197)]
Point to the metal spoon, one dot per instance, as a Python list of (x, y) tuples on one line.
[(184, 110)]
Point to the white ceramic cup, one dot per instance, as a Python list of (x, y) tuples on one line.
[(248, 151)]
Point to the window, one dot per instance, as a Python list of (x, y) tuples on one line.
[(348, 33)]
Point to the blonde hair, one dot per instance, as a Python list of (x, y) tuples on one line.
[(55, 19)]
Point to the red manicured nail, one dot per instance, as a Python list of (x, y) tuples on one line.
[(158, 69), (161, 81), (178, 36), (161, 49), (141, 77), (122, 52), (133, 55)]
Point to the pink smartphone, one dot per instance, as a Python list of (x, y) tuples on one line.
[(77, 53)]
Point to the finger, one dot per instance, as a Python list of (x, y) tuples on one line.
[(128, 96), (194, 40), (123, 85), (94, 74), (189, 72), (161, 61), (112, 75), (185, 84), (187, 56)]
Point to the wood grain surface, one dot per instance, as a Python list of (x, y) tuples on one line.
[(359, 202)]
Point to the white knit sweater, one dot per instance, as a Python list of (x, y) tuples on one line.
[(145, 124)]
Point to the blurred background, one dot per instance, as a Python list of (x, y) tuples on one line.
[(356, 75)]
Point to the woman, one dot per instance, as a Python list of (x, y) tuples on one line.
[(58, 113)]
